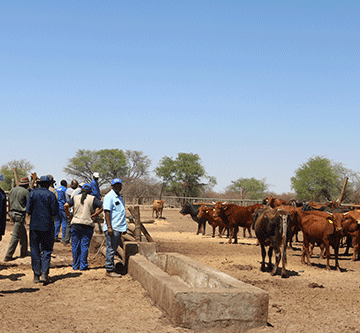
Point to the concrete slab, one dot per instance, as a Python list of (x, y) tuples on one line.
[(196, 296)]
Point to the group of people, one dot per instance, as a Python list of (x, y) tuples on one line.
[(72, 209)]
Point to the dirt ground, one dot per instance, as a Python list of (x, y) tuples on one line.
[(311, 299)]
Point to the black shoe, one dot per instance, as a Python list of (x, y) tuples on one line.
[(57, 239), (44, 278), (25, 254), (36, 278), (6, 259)]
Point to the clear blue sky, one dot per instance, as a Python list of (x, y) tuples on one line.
[(255, 88)]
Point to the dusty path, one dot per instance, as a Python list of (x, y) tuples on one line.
[(310, 300)]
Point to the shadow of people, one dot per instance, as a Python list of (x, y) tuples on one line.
[(18, 291), (12, 277), (54, 278)]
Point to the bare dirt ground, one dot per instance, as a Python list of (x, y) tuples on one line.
[(310, 300)]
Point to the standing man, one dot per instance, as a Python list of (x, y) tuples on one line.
[(42, 206), (74, 184), (60, 219), (18, 197), (95, 189), (115, 224), (2, 213)]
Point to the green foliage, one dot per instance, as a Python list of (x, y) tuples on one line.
[(137, 165), (110, 163), (316, 180), (182, 176), (250, 188), (23, 167)]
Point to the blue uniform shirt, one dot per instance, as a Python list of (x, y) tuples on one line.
[(61, 191), (42, 206), (115, 204), (95, 190)]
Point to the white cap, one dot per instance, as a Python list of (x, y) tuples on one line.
[(96, 174)]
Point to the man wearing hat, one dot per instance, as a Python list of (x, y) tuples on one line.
[(95, 189), (115, 224), (42, 206), (18, 197)]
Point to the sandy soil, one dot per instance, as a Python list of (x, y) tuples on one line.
[(310, 300)]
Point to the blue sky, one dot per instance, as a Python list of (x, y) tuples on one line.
[(255, 88)]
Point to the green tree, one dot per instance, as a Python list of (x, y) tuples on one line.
[(183, 175), (249, 188), (23, 167), (110, 163), (316, 180)]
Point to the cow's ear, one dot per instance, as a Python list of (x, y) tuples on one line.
[(225, 207)]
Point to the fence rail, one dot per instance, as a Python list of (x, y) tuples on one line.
[(176, 202)]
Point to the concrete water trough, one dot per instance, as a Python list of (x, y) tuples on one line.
[(196, 296)]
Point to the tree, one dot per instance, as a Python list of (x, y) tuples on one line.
[(183, 175), (249, 188), (7, 170), (316, 180), (137, 165), (110, 163)]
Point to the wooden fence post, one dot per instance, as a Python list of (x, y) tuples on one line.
[(135, 212)]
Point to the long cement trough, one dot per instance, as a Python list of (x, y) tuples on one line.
[(196, 296)]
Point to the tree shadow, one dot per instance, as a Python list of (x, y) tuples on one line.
[(18, 291)]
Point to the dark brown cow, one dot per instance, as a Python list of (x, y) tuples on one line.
[(323, 229), (208, 213), (158, 206), (235, 216), (275, 202), (351, 228), (273, 229)]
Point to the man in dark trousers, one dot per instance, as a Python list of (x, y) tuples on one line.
[(42, 206), (2, 213), (17, 202)]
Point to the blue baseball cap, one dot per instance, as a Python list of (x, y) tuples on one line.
[(86, 187), (116, 181), (44, 179)]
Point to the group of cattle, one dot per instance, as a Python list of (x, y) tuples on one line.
[(276, 221)]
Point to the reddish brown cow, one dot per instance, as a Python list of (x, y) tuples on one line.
[(320, 228), (275, 202), (158, 206), (208, 213), (235, 216), (351, 227)]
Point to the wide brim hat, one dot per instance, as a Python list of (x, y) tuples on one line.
[(24, 181)]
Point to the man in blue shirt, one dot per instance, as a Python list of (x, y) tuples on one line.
[(115, 224), (42, 206), (61, 220), (2, 213), (95, 189)]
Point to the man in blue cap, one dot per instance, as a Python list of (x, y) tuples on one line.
[(42, 206), (115, 224)]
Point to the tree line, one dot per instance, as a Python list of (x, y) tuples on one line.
[(318, 179)]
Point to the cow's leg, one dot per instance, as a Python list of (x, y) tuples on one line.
[(270, 252), (322, 249), (284, 260), (213, 234), (249, 230), (244, 230), (199, 228), (231, 231), (356, 248), (277, 260), (327, 249), (204, 225), (305, 252), (336, 250), (348, 245), (236, 230), (263, 256)]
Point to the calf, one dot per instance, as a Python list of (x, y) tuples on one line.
[(193, 210), (158, 206), (320, 228), (208, 213), (273, 228), (235, 216)]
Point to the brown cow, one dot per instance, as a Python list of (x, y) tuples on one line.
[(320, 228), (158, 206), (351, 228), (275, 202), (235, 216), (273, 228), (208, 213)]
